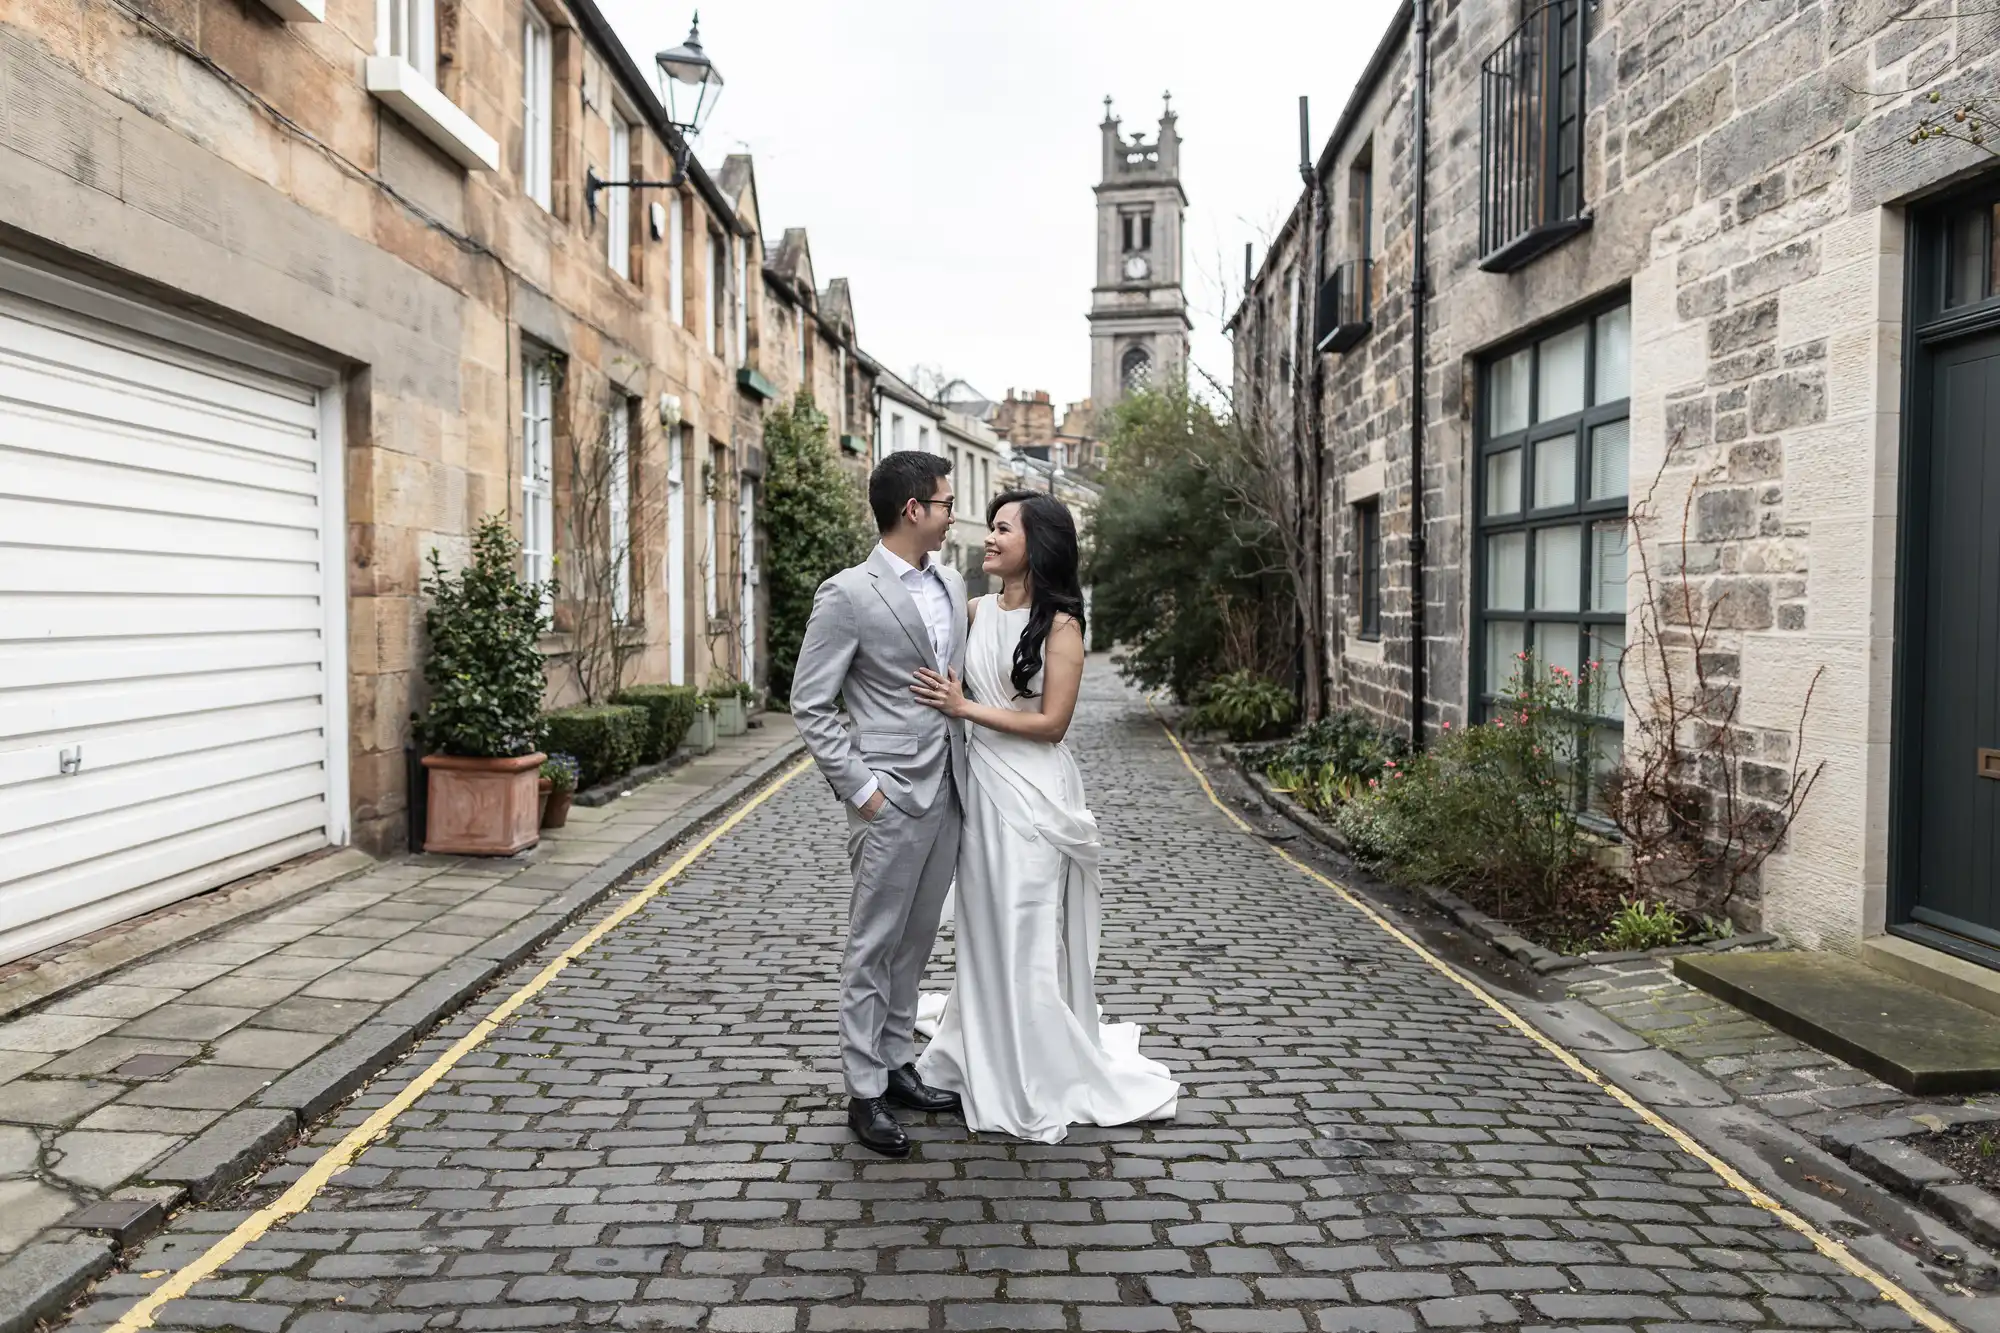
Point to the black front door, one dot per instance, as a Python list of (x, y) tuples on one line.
[(1946, 889), (1957, 805)]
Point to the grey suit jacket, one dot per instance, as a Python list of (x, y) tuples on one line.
[(863, 645)]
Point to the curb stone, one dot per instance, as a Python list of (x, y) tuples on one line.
[(1475, 922), (227, 1151), (1889, 1149), (44, 1278)]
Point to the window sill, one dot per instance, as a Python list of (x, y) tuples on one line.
[(1532, 244), (431, 114), (298, 11)]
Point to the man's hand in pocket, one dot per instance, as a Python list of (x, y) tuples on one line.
[(874, 805)]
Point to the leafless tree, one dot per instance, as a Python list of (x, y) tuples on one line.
[(616, 494)]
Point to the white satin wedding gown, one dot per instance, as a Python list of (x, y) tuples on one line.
[(1018, 1039)]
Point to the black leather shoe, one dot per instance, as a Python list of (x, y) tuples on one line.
[(871, 1122), (906, 1089)]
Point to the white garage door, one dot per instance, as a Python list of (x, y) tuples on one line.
[(166, 630)]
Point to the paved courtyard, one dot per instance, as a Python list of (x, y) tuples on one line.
[(657, 1141)]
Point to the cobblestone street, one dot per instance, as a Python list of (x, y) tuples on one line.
[(657, 1140)]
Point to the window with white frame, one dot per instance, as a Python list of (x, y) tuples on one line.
[(676, 262), (895, 432), (678, 448), (618, 506), (1554, 439), (924, 439), (537, 465), (407, 30), (746, 565), (740, 252), (712, 557), (537, 106), (713, 297), (618, 203)]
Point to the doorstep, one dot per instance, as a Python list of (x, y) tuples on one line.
[(1911, 1038), (1934, 970), (178, 1076)]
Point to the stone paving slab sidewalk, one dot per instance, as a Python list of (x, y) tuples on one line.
[(1817, 1095), (175, 1077)]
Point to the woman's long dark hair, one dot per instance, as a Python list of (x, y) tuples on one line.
[(1053, 588)]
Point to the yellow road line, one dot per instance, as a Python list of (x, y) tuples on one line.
[(342, 1154), (1735, 1179)]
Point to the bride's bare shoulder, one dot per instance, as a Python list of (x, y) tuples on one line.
[(972, 608)]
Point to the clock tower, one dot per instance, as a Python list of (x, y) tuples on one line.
[(1139, 323)]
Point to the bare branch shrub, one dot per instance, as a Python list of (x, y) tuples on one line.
[(1701, 800)]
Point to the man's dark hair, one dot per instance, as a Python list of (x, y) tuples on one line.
[(906, 475)]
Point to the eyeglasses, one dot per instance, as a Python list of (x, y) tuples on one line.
[(950, 503)]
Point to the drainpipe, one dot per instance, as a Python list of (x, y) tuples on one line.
[(1309, 361), (1420, 115)]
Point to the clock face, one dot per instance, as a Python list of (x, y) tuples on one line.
[(1136, 267)]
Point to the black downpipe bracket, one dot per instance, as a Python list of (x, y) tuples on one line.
[(1420, 114)]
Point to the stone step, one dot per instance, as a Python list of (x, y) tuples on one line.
[(1934, 970), (1909, 1037)]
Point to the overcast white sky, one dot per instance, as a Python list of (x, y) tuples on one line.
[(941, 153)]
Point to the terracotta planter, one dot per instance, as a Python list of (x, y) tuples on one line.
[(555, 810), (483, 807)]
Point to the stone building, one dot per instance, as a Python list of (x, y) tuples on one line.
[(978, 457), (1027, 421), (1138, 310), (291, 294), (1640, 258)]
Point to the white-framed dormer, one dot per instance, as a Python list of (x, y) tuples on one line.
[(402, 74)]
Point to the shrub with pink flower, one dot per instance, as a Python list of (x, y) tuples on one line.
[(1493, 803)]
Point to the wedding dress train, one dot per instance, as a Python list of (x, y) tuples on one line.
[(1019, 1038)]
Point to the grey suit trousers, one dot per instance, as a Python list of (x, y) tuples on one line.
[(903, 867)]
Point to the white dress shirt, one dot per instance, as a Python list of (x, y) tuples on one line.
[(927, 589)]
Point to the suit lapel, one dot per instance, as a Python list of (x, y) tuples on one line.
[(901, 605)]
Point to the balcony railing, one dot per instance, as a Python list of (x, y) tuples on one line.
[(1342, 316), (1531, 138)]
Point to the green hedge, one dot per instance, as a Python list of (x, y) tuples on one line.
[(669, 711), (606, 740)]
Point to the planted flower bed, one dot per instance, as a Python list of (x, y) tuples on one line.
[(1489, 821)]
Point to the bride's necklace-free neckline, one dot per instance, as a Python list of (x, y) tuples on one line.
[(1000, 600)]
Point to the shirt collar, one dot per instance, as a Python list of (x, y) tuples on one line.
[(903, 567)]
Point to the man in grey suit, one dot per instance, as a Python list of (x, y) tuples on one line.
[(897, 770)]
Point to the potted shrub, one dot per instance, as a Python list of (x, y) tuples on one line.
[(701, 728), (484, 673), (732, 714), (559, 773)]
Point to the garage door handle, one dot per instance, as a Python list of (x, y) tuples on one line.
[(72, 761), (1989, 763)]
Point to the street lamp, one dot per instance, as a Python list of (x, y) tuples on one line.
[(692, 82), (692, 85)]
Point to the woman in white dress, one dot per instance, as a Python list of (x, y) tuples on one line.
[(1019, 1038)]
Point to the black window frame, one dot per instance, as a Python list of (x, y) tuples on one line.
[(1368, 567), (1531, 149), (1581, 513)]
